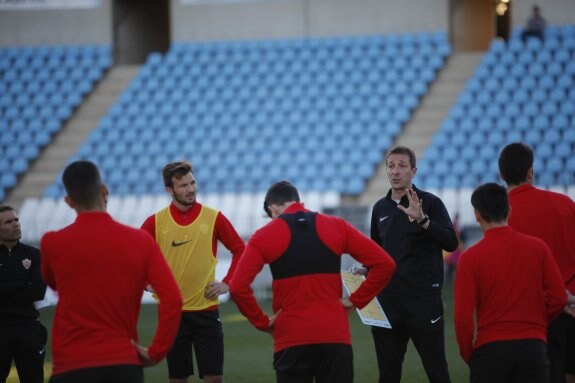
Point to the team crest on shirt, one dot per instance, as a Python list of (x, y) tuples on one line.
[(26, 263)]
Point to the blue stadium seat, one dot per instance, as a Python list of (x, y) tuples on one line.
[(569, 137), (564, 150)]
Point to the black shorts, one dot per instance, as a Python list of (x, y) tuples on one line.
[(202, 332), (324, 362), (561, 346), (570, 353), (124, 373), (523, 360), (23, 344)]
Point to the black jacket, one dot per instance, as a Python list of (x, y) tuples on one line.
[(417, 252), (21, 284)]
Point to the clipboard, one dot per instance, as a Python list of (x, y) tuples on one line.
[(372, 314)]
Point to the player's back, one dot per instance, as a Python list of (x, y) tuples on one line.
[(98, 267)]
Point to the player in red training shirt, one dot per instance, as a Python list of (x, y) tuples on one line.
[(100, 269), (550, 216), (310, 325), (510, 282)]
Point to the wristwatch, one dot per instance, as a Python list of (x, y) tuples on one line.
[(424, 220)]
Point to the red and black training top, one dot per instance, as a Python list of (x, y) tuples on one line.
[(304, 252)]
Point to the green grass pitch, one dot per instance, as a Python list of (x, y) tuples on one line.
[(248, 352)]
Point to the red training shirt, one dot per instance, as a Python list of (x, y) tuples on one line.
[(551, 217), (100, 268), (513, 285), (311, 311)]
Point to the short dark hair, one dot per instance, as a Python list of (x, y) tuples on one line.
[(280, 193), (403, 150), (515, 160), (491, 202), (83, 183), (176, 169), (4, 208)]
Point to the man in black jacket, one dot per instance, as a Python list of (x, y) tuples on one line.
[(413, 226), (22, 336)]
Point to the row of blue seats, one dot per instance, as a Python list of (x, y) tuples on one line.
[(564, 82), (551, 31), (533, 46), (31, 52), (511, 90), (462, 137), (291, 57), (268, 110), (532, 111), (518, 70), (248, 133), (421, 39), (54, 63)]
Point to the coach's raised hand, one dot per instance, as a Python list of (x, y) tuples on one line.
[(415, 208)]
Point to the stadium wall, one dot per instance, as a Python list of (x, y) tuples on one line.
[(297, 18), (54, 26), (220, 20)]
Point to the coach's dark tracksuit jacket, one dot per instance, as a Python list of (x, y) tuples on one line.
[(21, 284), (417, 252), (22, 336)]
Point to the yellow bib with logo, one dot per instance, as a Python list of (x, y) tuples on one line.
[(188, 251)]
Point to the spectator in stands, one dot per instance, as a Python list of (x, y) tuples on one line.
[(551, 217), (512, 284), (413, 226), (310, 325), (535, 26), (100, 268), (188, 233), (22, 336)]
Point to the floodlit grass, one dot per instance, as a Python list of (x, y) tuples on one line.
[(248, 353)]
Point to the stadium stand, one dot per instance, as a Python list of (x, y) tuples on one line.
[(520, 92), (40, 87), (320, 112)]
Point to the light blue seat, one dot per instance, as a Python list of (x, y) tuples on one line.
[(554, 166), (564, 150), (478, 167), (543, 149), (569, 136), (560, 122), (532, 137), (459, 169), (552, 136)]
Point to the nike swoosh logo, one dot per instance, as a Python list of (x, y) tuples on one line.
[(176, 244), (433, 321), (383, 218)]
